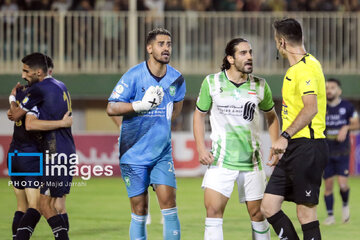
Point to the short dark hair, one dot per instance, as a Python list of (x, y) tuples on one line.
[(290, 29), (153, 33), (35, 61), (334, 80), (50, 62), (230, 51)]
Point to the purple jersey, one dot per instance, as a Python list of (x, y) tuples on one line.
[(336, 117), (52, 100)]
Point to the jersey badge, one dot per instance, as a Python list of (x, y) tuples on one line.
[(342, 111), (18, 123), (119, 89), (172, 90), (25, 100)]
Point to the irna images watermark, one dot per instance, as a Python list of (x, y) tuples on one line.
[(57, 164)]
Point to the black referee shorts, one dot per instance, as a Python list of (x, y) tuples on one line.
[(297, 177)]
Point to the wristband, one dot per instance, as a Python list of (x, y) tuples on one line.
[(12, 99), (286, 135)]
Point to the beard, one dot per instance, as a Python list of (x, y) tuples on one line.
[(243, 69), (330, 98), (32, 81), (161, 60)]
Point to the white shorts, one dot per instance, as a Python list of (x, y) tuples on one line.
[(251, 185)]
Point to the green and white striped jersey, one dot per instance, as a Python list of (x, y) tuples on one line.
[(234, 119)]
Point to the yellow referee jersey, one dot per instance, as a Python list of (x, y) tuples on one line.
[(304, 78)]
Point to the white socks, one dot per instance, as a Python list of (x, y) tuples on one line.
[(260, 230), (213, 229)]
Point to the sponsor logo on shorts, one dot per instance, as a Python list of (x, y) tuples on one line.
[(127, 181), (281, 235), (308, 193)]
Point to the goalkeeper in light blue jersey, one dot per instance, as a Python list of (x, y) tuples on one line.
[(149, 96)]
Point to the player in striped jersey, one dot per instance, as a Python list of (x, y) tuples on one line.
[(234, 98)]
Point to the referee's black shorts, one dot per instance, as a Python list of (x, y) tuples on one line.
[(297, 177)]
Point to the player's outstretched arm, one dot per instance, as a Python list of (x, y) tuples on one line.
[(205, 157), (32, 123), (274, 128)]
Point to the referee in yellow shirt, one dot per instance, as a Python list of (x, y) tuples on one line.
[(297, 175)]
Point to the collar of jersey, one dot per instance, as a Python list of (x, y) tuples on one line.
[(237, 85), (302, 59)]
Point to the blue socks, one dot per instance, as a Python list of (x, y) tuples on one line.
[(171, 224), (329, 202), (138, 227)]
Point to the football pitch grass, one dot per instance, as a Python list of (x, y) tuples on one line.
[(100, 210)]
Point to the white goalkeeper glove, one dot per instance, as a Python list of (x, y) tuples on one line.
[(152, 98)]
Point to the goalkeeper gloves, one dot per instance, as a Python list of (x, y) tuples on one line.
[(152, 98)]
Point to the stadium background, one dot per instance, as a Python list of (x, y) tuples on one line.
[(94, 42)]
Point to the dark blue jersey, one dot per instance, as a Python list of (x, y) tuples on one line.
[(52, 100), (336, 117), (22, 140)]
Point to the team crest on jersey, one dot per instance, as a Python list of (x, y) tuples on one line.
[(342, 111), (18, 123), (172, 90), (25, 100)]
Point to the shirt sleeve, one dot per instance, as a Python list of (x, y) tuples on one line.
[(352, 111), (307, 82), (34, 97), (180, 93), (204, 100), (124, 90), (34, 111), (267, 103)]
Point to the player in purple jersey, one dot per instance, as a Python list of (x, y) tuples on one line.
[(26, 188), (52, 99), (148, 96), (341, 117)]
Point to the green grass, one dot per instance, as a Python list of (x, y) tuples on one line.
[(100, 210)]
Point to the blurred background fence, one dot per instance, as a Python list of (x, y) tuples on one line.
[(111, 42)]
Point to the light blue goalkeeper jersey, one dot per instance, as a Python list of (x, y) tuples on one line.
[(146, 137)]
